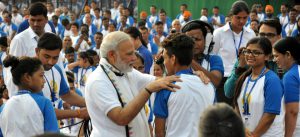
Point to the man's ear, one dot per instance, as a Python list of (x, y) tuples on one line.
[(173, 59)]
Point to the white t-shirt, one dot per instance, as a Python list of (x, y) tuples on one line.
[(225, 46), (18, 19), (266, 97), (182, 109), (284, 20), (289, 29), (81, 76), (101, 97)]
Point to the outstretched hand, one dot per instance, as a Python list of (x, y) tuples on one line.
[(164, 83)]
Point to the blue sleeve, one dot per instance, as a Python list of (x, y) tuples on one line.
[(78, 92), (76, 69), (216, 63), (14, 27), (273, 92), (283, 33), (131, 21), (291, 85), (52, 26), (64, 88), (295, 33), (222, 18), (161, 104), (50, 120), (154, 48), (23, 26)]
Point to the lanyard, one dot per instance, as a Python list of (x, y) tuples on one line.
[(246, 99), (81, 82), (53, 96), (241, 38)]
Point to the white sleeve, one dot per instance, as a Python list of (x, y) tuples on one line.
[(8, 80), (103, 94), (142, 79), (17, 48), (217, 44)]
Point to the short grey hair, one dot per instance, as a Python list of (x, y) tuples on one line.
[(111, 42)]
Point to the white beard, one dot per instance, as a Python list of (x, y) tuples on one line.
[(122, 66)]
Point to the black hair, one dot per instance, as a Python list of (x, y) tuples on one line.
[(255, 21), (55, 17), (70, 76), (238, 7), (153, 6), (289, 44), (21, 66), (2, 88), (272, 23), (108, 12), (91, 52), (159, 23), (49, 41), (112, 24), (3, 41), (196, 24), (293, 10), (266, 47), (8, 14), (181, 46), (215, 7), (104, 18), (98, 33), (143, 28), (204, 9), (135, 33), (98, 9), (185, 5), (85, 55), (220, 120), (75, 24), (141, 24), (139, 56), (162, 11), (38, 9), (65, 22), (69, 50)]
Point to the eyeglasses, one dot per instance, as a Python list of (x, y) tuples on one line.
[(254, 53), (267, 35)]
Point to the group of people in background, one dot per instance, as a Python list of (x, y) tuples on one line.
[(105, 73)]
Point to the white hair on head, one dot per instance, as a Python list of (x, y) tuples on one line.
[(174, 21), (111, 42), (2, 6)]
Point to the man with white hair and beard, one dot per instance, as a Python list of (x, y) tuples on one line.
[(116, 93)]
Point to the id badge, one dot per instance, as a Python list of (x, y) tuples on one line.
[(247, 120)]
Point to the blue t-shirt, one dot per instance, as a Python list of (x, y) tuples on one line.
[(147, 56), (291, 84)]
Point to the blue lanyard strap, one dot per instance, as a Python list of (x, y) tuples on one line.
[(246, 98), (82, 75), (53, 96), (241, 38)]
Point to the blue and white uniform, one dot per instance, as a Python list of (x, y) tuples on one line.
[(147, 56), (212, 62), (28, 114), (263, 97), (81, 75), (291, 85), (182, 109), (9, 29), (56, 85)]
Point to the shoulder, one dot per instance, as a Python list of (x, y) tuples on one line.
[(292, 74)]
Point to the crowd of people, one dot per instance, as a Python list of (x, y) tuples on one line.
[(114, 75)]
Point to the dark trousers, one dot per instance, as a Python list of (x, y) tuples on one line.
[(221, 94)]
